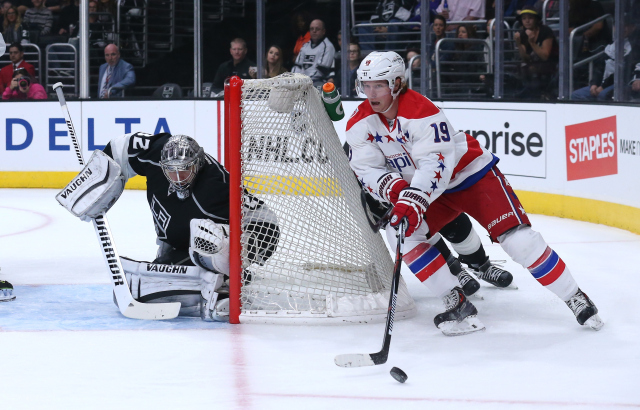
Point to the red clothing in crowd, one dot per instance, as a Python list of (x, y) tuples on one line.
[(6, 74), (301, 40)]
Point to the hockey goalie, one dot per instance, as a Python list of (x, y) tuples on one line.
[(188, 195)]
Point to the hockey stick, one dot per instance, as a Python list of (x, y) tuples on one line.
[(363, 359), (126, 303)]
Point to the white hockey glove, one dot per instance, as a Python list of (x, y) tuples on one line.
[(209, 245), (95, 189)]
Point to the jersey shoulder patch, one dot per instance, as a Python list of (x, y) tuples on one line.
[(413, 105), (363, 111)]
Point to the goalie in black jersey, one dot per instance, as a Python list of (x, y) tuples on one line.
[(188, 193)]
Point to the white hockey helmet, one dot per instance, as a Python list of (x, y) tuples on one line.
[(381, 65)]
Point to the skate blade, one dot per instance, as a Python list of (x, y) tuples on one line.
[(7, 298), (478, 295), (594, 322), (470, 324), (510, 287)]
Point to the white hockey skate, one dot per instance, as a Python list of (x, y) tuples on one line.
[(460, 317)]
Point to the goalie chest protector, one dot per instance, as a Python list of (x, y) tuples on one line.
[(209, 197)]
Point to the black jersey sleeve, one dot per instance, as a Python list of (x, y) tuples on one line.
[(136, 152)]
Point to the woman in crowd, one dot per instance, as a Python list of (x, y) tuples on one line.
[(22, 87), (274, 66), (12, 26), (538, 50), (466, 52)]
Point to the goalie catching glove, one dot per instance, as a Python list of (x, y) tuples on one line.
[(390, 185), (95, 189), (412, 204), (209, 245)]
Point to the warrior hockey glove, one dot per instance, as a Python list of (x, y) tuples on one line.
[(390, 185), (412, 204)]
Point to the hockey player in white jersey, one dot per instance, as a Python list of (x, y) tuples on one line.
[(405, 150)]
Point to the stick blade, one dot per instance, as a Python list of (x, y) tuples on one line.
[(151, 311), (131, 308), (354, 360)]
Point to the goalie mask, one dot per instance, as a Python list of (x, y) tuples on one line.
[(181, 159), (381, 65)]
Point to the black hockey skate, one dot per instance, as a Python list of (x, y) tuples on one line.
[(460, 317), (467, 282), (6, 291), (492, 274), (584, 309)]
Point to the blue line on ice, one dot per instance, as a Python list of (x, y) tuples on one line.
[(79, 307)]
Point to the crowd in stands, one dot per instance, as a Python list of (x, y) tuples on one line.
[(456, 26)]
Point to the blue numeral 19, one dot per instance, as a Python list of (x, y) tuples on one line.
[(443, 129)]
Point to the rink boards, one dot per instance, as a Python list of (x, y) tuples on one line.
[(572, 160)]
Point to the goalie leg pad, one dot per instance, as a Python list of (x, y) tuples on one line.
[(194, 287), (95, 189)]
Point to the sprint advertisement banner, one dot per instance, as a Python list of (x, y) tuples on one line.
[(587, 151)]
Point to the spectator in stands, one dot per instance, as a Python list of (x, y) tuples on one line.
[(16, 55), (22, 87), (69, 19), (316, 58), (300, 23), (238, 65), (469, 53), (115, 73), (387, 11), (274, 66), (438, 28), (354, 62), (582, 12), (412, 70), (538, 50), (39, 18), (602, 83), (4, 6), (635, 82), (461, 10), (107, 6), (12, 26)]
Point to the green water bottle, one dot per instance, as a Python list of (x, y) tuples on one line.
[(332, 102)]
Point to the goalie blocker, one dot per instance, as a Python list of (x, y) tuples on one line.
[(188, 195)]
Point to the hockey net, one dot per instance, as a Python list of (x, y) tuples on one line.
[(329, 264)]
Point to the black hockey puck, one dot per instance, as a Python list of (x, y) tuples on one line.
[(399, 375)]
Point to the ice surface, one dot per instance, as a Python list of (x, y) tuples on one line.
[(64, 345)]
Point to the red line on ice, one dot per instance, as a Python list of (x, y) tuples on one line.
[(445, 400), (47, 221)]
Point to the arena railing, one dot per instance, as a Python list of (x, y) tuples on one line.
[(467, 86), (62, 66), (572, 51)]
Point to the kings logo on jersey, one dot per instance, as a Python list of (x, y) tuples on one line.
[(161, 218), (592, 149)]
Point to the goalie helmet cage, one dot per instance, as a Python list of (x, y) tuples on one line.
[(329, 266)]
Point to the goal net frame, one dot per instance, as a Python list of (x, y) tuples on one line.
[(234, 130)]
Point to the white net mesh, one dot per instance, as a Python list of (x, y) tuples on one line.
[(329, 263)]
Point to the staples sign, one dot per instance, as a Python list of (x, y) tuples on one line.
[(592, 149)]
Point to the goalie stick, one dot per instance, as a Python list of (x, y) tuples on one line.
[(372, 359), (128, 306)]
